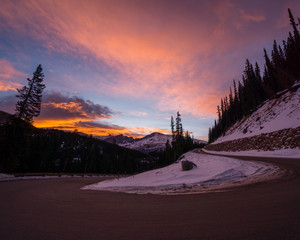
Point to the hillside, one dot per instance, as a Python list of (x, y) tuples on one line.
[(274, 125), (118, 139), (25, 148), (3, 117)]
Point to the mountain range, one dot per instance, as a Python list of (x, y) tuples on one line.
[(153, 142)]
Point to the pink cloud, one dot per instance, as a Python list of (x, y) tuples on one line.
[(10, 77), (165, 51), (255, 16)]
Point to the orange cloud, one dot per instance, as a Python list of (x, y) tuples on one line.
[(165, 51), (9, 76), (8, 85), (254, 16), (150, 54), (70, 106), (96, 129), (57, 106), (70, 113)]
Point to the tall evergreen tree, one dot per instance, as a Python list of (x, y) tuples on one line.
[(294, 47), (30, 96), (179, 129), (173, 128), (294, 25), (260, 91)]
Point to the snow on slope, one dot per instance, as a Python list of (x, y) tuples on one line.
[(275, 114), (151, 143), (212, 173), (280, 153)]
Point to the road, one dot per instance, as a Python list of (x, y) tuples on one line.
[(58, 209)]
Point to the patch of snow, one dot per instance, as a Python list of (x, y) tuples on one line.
[(6, 177), (281, 153), (213, 173), (275, 114)]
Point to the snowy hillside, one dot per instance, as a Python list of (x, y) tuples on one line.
[(151, 143), (212, 173), (280, 112)]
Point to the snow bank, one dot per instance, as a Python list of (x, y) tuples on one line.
[(6, 177), (281, 153), (213, 173)]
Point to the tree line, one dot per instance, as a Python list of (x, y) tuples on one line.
[(182, 142), (25, 148), (281, 70)]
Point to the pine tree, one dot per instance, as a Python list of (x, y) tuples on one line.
[(235, 101), (294, 25), (30, 97), (219, 112), (293, 49), (173, 128), (178, 125), (259, 89)]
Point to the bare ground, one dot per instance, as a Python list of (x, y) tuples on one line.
[(58, 209)]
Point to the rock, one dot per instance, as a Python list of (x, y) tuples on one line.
[(187, 165), (286, 138)]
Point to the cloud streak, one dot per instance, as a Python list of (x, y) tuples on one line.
[(178, 55), (9, 76), (150, 46)]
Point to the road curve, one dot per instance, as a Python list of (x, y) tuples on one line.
[(58, 209)]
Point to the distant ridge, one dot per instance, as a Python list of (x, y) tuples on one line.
[(153, 142), (118, 139), (4, 116)]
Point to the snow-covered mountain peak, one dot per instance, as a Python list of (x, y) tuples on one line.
[(153, 142)]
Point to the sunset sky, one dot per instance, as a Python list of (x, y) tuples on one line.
[(126, 66)]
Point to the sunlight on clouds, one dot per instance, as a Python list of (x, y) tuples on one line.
[(255, 16), (164, 52), (8, 85), (10, 77), (148, 54), (70, 106), (102, 130)]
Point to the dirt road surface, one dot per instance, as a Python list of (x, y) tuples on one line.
[(59, 209)]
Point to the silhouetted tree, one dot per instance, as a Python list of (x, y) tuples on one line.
[(30, 96), (173, 128)]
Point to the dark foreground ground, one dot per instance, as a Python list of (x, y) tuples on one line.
[(58, 209)]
